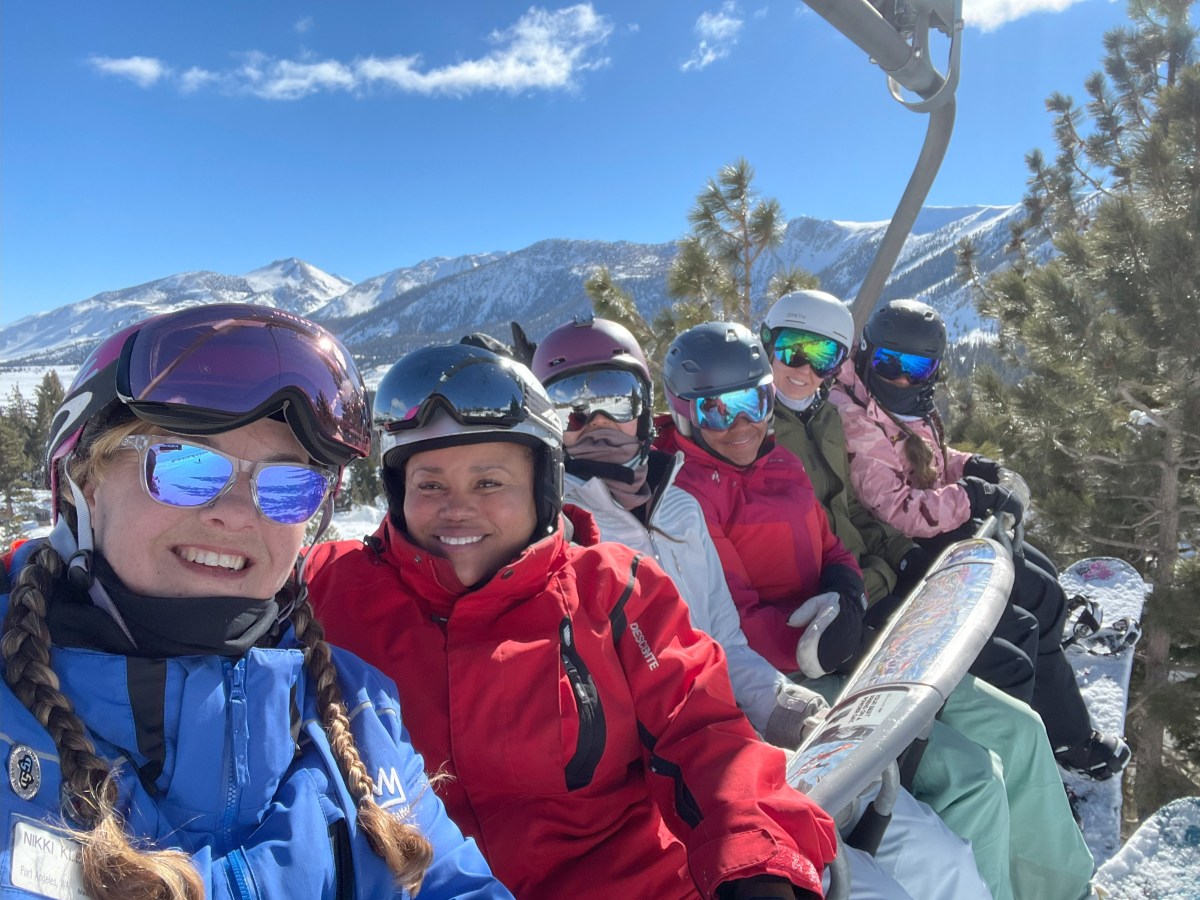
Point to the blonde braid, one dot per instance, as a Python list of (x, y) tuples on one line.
[(113, 869), (402, 846)]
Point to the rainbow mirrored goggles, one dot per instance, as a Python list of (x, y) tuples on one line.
[(720, 411), (892, 364), (795, 347), (184, 475)]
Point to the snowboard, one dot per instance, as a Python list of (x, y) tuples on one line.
[(1103, 663), (916, 662), (1161, 859)]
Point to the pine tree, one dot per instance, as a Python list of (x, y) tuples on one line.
[(731, 228), (611, 301), (48, 398), (1106, 424), (15, 463)]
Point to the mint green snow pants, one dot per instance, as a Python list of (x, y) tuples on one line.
[(989, 773), (964, 784), (1049, 859)]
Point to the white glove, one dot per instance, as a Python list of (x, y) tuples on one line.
[(814, 616), (798, 712)]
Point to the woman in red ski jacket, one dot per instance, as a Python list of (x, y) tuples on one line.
[(798, 590), (590, 734)]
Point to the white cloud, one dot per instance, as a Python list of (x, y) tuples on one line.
[(303, 25), (143, 71), (196, 78), (718, 32), (988, 15), (287, 80), (542, 50)]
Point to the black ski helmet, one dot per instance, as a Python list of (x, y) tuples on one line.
[(454, 394), (905, 326)]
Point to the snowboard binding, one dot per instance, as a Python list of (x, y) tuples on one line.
[(1084, 617), (1085, 629)]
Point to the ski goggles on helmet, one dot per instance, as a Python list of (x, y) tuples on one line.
[(176, 473), (795, 347), (617, 394), (217, 367), (891, 364), (719, 411), (476, 387)]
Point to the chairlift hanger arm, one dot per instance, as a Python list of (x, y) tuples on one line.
[(899, 44)]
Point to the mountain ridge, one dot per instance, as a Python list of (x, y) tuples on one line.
[(541, 285)]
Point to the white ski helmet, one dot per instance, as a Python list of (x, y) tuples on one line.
[(814, 311)]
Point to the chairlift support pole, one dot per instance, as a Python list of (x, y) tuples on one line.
[(901, 49)]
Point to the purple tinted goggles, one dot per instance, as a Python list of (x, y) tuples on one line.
[(218, 367)]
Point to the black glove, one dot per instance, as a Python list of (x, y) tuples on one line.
[(837, 639), (982, 467), (487, 342), (912, 568), (522, 347), (990, 498)]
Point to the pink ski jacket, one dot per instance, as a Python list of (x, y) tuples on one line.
[(881, 474), (770, 532), (590, 733)]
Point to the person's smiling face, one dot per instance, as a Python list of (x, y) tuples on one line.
[(795, 384), (223, 549), (740, 443), (472, 504)]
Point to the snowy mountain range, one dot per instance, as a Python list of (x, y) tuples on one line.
[(440, 299)]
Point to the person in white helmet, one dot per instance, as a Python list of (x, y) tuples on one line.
[(808, 335), (596, 376)]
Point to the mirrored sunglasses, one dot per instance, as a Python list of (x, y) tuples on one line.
[(615, 393), (183, 475), (719, 411), (795, 348), (891, 364)]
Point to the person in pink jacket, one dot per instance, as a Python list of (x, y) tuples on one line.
[(908, 476)]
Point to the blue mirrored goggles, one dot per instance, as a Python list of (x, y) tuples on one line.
[(720, 411), (891, 364), (795, 347), (618, 394), (176, 473)]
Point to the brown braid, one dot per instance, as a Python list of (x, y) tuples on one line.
[(917, 452), (402, 846), (113, 869)]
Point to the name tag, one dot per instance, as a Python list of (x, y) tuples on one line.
[(46, 862)]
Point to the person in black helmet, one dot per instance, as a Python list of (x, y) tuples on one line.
[(593, 742), (808, 335), (909, 477)]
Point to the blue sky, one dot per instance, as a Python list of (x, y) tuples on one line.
[(144, 138)]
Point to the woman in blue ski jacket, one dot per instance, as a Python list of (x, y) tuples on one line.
[(173, 723)]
